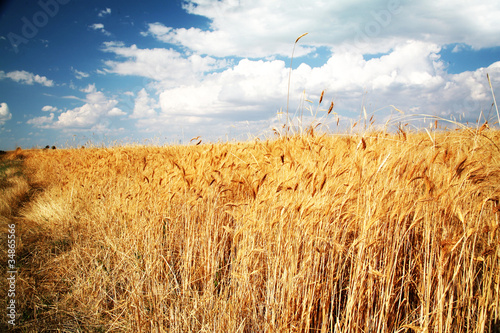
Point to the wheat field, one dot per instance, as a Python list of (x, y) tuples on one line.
[(304, 233)]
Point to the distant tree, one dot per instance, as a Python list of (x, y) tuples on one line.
[(53, 147), (47, 147)]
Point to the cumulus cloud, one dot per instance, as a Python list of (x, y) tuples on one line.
[(89, 89), (165, 65), (48, 108), (97, 109), (250, 85), (144, 105), (261, 86), (467, 94), (409, 77), (258, 28), (376, 54), (410, 64), (115, 112), (42, 121), (5, 114), (25, 77)]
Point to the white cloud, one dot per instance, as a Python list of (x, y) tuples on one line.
[(144, 105), (100, 27), (262, 85), (469, 91), (48, 108), (97, 26), (78, 74), (73, 97), (458, 48), (89, 89), (250, 85), (116, 112), (165, 65), (104, 12), (42, 121), (25, 77), (198, 89), (97, 109), (409, 77), (5, 114), (410, 64), (259, 28)]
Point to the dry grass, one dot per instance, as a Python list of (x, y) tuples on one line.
[(384, 233), (14, 189)]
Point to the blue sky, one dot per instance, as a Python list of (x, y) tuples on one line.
[(74, 72)]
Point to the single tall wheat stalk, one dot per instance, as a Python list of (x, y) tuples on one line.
[(494, 100), (290, 76)]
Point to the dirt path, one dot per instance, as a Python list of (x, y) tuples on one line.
[(17, 239)]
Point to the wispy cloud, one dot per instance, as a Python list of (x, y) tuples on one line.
[(73, 97), (25, 77), (104, 12), (100, 27), (79, 74)]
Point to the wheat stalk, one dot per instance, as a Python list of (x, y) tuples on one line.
[(303, 233), (290, 76), (494, 100)]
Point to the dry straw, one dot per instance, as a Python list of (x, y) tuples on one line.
[(387, 233)]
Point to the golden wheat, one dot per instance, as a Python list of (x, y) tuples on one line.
[(396, 233)]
